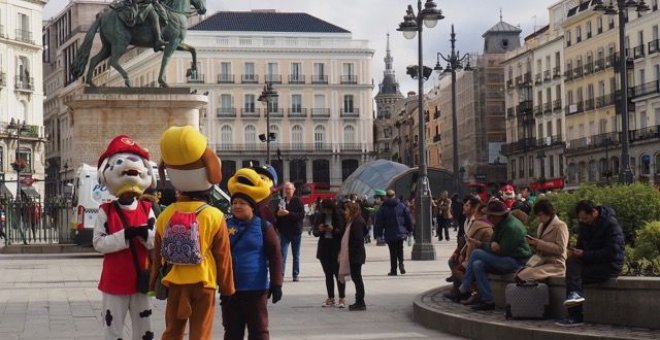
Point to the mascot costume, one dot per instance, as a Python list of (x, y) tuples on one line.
[(124, 234), (192, 243), (255, 250)]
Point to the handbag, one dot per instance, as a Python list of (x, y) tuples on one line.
[(142, 275), (161, 289)]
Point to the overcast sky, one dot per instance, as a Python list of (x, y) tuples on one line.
[(372, 19)]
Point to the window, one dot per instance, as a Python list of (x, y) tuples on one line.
[(521, 167), (249, 103), (296, 72), (588, 29), (276, 130), (273, 105), (349, 134), (578, 34), (642, 77), (272, 68), (297, 137), (319, 73), (599, 25), (23, 32), (25, 155), (531, 166), (349, 69), (296, 103), (225, 73), (226, 136), (225, 103), (551, 161), (348, 103), (549, 128), (249, 72), (610, 23), (319, 137), (250, 135)]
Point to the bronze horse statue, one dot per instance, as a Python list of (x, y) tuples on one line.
[(116, 36)]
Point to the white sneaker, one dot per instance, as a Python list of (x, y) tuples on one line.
[(328, 303), (341, 304), (574, 299)]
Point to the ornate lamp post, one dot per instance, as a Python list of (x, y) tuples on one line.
[(620, 8), (454, 63), (266, 95), (411, 26)]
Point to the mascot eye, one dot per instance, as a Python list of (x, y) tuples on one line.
[(119, 161), (245, 180), (132, 158)]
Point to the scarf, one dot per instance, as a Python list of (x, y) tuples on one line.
[(344, 262)]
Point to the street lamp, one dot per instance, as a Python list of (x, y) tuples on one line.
[(411, 26), (454, 63), (621, 9), (266, 95)]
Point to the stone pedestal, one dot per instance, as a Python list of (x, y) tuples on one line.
[(100, 114)]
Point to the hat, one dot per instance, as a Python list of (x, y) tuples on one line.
[(248, 185), (268, 171), (181, 145), (495, 208), (123, 144), (379, 193)]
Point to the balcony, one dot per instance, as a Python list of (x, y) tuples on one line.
[(538, 110), (538, 78), (547, 107), (24, 84), (593, 142), (352, 113), (589, 104), (349, 79), (283, 147), (568, 74), (296, 79), (522, 145), (556, 72), (519, 81), (645, 89), (319, 79), (224, 78), (273, 78), (605, 100), (547, 75), (578, 71), (509, 84), (638, 52), (195, 78), (556, 105), (320, 113), (249, 79), (652, 132), (250, 112), (588, 68), (599, 64), (525, 106), (549, 141), (612, 60), (275, 113), (226, 112), (24, 36), (654, 46), (437, 138), (296, 113)]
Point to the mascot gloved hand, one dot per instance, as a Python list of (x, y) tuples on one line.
[(122, 234)]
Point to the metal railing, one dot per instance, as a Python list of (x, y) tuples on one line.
[(195, 78), (538, 78), (250, 112), (354, 112), (317, 112), (556, 104), (249, 78), (273, 78), (645, 89), (296, 79), (225, 78), (226, 112), (283, 147), (651, 132), (319, 79), (297, 112), (24, 84), (24, 36), (30, 222), (556, 72), (349, 79), (638, 52), (654, 46), (547, 75)]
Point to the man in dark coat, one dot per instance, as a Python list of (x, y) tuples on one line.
[(597, 256), (288, 222), (393, 222)]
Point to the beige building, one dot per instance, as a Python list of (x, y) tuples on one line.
[(21, 100), (534, 104), (62, 35), (323, 115)]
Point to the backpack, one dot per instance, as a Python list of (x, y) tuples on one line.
[(181, 244)]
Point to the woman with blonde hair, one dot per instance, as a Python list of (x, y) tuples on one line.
[(352, 254)]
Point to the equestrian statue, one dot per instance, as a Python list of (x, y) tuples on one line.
[(157, 24)]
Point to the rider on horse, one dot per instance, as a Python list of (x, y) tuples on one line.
[(141, 11)]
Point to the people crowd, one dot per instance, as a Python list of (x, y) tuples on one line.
[(186, 251)]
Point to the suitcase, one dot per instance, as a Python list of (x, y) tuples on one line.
[(529, 300)]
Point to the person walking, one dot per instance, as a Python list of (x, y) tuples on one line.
[(444, 215), (352, 254), (329, 228), (288, 222), (393, 222)]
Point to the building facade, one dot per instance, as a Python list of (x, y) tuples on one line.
[(386, 99), (21, 143), (534, 103), (323, 115)]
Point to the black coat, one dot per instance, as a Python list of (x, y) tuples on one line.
[(603, 242), (291, 225), (356, 252), (328, 248)]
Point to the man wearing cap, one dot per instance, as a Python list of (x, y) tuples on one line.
[(506, 252), (394, 223)]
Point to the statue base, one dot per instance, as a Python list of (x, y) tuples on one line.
[(100, 114)]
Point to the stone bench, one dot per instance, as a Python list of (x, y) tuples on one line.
[(624, 301)]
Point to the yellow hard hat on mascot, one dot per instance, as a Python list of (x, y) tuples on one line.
[(250, 186), (191, 165), (124, 168)]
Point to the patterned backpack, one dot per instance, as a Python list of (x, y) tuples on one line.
[(181, 243)]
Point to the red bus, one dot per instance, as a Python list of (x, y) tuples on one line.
[(312, 191)]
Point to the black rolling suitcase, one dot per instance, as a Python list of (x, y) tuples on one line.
[(528, 300)]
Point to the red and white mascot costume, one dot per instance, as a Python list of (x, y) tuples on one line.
[(124, 169), (508, 195)]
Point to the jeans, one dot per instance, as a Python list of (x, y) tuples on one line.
[(396, 253), (356, 276), (295, 251), (579, 273), (482, 263)]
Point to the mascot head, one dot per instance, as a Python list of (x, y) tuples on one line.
[(267, 173), (124, 168), (191, 165), (508, 192), (249, 186)]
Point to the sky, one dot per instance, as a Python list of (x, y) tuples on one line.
[(373, 19)]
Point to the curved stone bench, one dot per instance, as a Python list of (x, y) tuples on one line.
[(623, 301)]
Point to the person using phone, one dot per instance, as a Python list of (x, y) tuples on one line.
[(597, 256), (288, 222), (550, 245), (328, 227)]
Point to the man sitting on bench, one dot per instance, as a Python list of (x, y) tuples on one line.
[(597, 256)]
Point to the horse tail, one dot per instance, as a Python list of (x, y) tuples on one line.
[(80, 61)]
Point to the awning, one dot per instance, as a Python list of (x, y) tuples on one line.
[(30, 192), (5, 192)]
